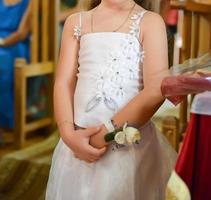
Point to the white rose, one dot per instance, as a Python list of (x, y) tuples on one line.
[(132, 135), (120, 138)]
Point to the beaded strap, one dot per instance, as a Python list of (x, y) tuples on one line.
[(77, 29), (135, 26)]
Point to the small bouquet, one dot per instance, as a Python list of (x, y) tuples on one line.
[(187, 79), (126, 135)]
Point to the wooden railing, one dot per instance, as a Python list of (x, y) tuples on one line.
[(196, 40)]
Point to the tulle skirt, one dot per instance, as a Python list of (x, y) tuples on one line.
[(140, 172)]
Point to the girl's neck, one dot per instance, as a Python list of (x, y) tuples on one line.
[(123, 5)]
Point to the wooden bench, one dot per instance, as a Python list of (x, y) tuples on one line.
[(44, 49)]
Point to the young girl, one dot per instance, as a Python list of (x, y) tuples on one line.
[(109, 59)]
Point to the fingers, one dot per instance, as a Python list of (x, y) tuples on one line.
[(102, 151), (92, 131), (76, 156), (96, 153), (91, 155), (86, 159)]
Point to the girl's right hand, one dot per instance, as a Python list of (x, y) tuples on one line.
[(78, 141)]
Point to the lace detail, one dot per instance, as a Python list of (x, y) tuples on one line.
[(103, 91), (122, 69), (135, 26)]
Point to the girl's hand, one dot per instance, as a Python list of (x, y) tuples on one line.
[(98, 140), (79, 143)]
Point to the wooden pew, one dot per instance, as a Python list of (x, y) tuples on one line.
[(196, 38), (44, 49)]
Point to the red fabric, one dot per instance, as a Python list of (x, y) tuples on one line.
[(172, 17), (194, 161)]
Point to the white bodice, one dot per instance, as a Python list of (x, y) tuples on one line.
[(109, 74)]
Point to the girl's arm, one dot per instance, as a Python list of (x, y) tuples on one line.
[(142, 107), (22, 31), (65, 82)]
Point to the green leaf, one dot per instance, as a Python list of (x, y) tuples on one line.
[(109, 137)]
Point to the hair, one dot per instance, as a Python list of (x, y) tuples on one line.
[(144, 3)]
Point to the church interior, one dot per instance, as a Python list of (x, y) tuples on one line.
[(28, 133)]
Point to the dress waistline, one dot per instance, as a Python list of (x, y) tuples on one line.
[(142, 127)]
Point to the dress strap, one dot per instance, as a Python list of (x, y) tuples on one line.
[(77, 29), (80, 19), (135, 26)]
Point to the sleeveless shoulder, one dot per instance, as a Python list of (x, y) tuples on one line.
[(74, 24), (153, 19), (78, 27), (153, 23)]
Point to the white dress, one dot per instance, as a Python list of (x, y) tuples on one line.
[(110, 75)]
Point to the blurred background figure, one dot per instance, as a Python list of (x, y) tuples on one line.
[(170, 17), (14, 42)]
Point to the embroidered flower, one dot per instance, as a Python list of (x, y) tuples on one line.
[(103, 92), (130, 44), (122, 68), (135, 27), (133, 72), (77, 32), (134, 30), (114, 59), (120, 91), (136, 16), (118, 74), (100, 78)]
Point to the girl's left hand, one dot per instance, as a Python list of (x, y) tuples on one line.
[(97, 140)]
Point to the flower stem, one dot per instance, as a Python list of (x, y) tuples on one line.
[(110, 136)]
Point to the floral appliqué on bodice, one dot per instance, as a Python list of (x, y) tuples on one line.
[(123, 66)]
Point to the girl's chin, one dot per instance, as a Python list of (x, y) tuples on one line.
[(118, 1)]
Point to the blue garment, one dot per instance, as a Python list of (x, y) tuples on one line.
[(10, 18)]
